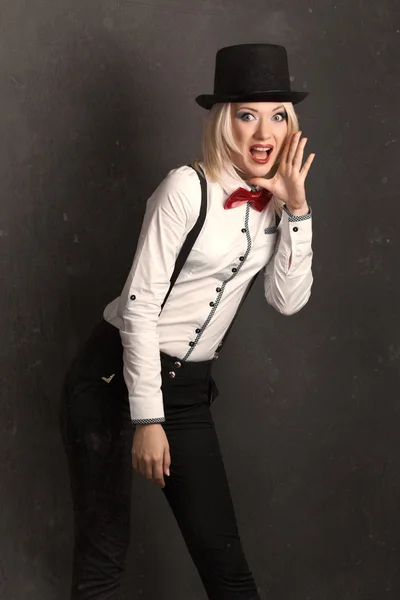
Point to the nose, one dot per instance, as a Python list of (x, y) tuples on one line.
[(263, 131)]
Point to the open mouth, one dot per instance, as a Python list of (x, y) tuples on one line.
[(260, 153)]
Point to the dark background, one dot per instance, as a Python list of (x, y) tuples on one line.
[(96, 100)]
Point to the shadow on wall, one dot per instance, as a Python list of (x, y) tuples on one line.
[(80, 229)]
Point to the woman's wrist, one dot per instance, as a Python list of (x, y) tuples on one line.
[(298, 212)]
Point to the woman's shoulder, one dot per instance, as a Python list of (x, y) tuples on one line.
[(183, 178), (179, 192)]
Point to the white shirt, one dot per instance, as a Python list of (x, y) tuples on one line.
[(231, 248)]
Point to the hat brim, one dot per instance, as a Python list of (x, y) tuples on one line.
[(207, 101)]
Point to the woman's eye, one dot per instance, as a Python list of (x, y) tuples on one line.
[(245, 116), (280, 117)]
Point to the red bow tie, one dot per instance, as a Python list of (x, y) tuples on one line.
[(258, 199)]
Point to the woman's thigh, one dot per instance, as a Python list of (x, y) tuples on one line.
[(200, 498)]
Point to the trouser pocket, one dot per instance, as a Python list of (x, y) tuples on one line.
[(94, 394)]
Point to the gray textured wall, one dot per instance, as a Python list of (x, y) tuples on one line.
[(96, 101)]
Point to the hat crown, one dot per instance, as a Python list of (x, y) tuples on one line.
[(251, 73), (249, 68)]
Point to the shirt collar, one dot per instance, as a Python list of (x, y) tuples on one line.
[(230, 183)]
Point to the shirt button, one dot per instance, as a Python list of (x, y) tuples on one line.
[(241, 258), (133, 297), (244, 230), (211, 303), (172, 374), (234, 270), (198, 330), (218, 290), (191, 344), (177, 364), (295, 229)]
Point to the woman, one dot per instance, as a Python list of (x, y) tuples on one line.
[(149, 362)]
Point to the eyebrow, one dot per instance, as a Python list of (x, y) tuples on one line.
[(255, 110)]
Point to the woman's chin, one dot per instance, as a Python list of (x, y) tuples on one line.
[(256, 171), (247, 169)]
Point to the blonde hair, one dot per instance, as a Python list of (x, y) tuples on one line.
[(219, 143)]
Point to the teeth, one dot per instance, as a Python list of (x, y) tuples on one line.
[(257, 149)]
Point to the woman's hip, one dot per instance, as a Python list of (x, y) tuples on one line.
[(94, 384)]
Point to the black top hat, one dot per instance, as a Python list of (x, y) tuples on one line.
[(251, 73)]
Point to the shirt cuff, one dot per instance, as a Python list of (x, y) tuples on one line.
[(148, 421), (294, 243), (297, 219)]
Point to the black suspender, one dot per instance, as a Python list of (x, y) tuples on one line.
[(222, 342), (252, 282), (191, 237)]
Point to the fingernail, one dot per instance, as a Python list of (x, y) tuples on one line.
[(167, 472)]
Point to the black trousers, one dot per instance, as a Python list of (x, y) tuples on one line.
[(97, 435)]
